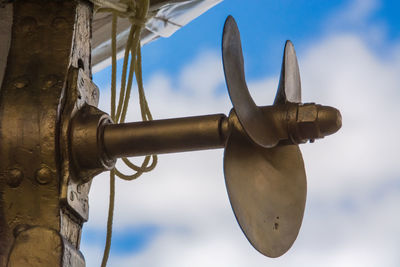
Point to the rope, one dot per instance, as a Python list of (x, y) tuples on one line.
[(136, 11)]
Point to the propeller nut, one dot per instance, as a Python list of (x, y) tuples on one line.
[(312, 122)]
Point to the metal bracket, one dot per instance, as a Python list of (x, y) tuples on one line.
[(81, 91)]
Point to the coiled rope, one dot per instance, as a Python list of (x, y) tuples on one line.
[(136, 11)]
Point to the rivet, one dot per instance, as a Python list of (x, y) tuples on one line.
[(59, 23), (14, 177), (28, 24), (21, 82), (49, 82), (44, 175)]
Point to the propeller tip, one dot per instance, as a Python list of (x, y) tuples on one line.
[(289, 89), (289, 49), (229, 17), (229, 23), (289, 43)]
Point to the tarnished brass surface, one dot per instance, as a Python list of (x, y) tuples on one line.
[(165, 136), (47, 242), (80, 91), (6, 18), (266, 180), (307, 122), (36, 227), (267, 190), (250, 116), (101, 143), (289, 88), (86, 144), (95, 143)]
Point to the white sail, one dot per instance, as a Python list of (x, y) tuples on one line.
[(165, 18)]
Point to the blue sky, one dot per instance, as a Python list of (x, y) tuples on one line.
[(265, 26), (349, 57)]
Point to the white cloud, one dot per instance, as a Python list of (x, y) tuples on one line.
[(358, 16), (358, 11), (354, 13), (343, 72)]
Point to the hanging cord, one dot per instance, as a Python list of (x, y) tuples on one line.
[(136, 11)]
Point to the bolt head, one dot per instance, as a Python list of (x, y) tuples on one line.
[(49, 82), (44, 175), (14, 177), (21, 82)]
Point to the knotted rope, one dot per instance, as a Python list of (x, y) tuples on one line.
[(136, 11)]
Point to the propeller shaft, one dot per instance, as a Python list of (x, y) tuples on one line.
[(165, 136), (296, 123), (96, 143)]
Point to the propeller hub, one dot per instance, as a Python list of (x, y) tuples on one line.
[(311, 121), (329, 119), (293, 123)]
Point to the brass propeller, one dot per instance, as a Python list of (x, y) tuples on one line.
[(263, 166), (266, 183)]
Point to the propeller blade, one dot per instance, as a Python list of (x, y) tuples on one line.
[(289, 89), (267, 190), (250, 116)]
